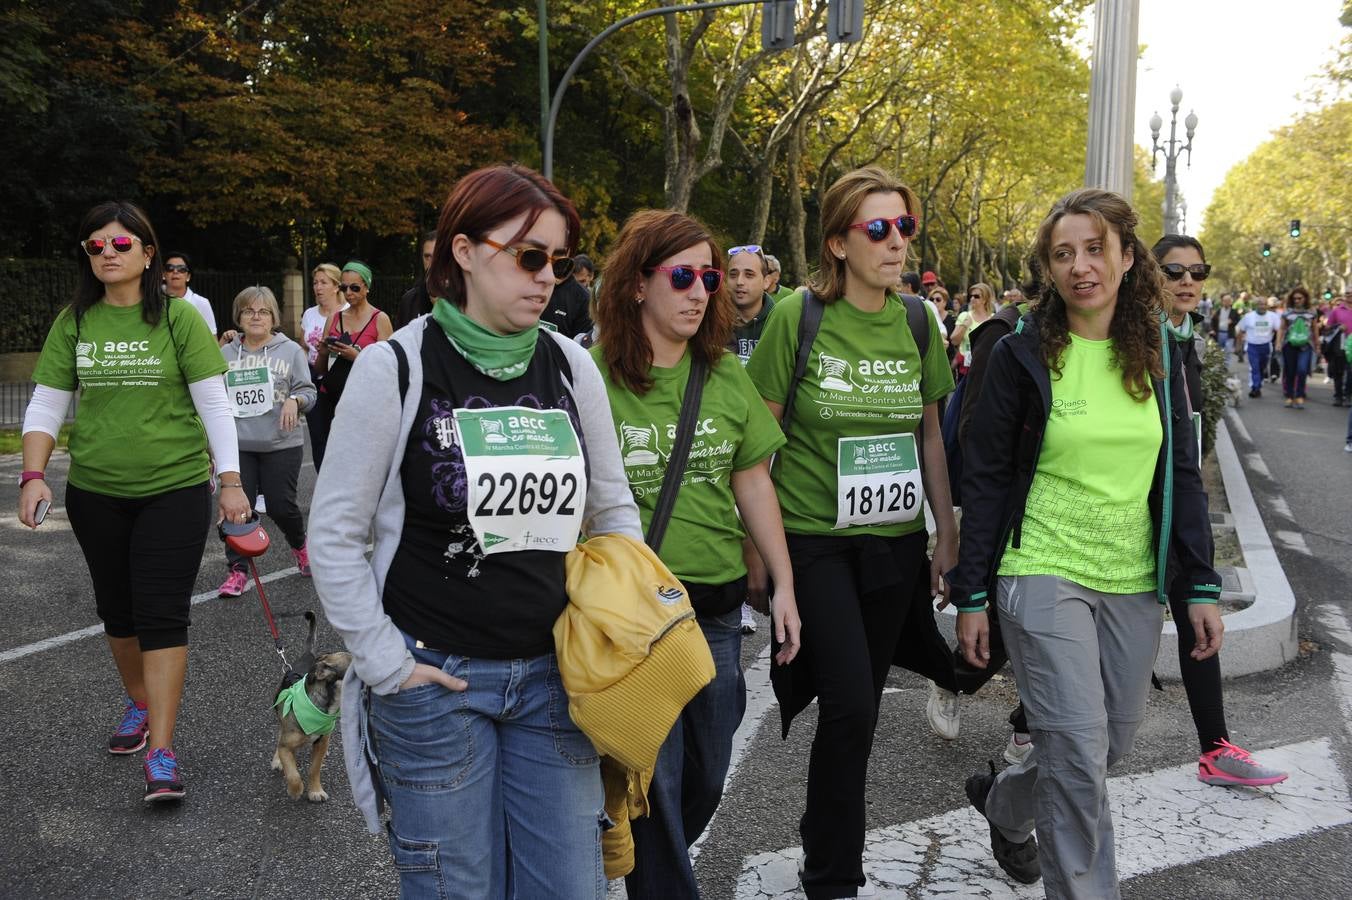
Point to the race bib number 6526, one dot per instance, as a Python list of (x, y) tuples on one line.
[(526, 477), (877, 480)]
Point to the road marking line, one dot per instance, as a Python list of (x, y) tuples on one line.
[(1232, 417), (1256, 463), (1163, 819), (1293, 540), (52, 643)]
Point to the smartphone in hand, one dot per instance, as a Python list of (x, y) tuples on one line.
[(40, 513)]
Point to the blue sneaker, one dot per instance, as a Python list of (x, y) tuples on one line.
[(131, 733), (162, 776)]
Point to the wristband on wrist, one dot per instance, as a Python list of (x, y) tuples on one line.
[(235, 485), (31, 476)]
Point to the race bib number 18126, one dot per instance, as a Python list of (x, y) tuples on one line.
[(877, 480)]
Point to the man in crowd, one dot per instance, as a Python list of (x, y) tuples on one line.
[(569, 310), (1256, 332), (1337, 331), (772, 285), (748, 277), (415, 301)]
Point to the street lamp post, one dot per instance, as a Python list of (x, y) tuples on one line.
[(1172, 151)]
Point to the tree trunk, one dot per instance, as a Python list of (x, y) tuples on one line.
[(797, 223), (765, 185)]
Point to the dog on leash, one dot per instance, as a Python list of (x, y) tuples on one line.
[(307, 707)]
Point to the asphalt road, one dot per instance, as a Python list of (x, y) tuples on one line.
[(75, 825)]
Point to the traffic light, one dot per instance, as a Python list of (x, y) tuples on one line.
[(1295, 228), (845, 21), (1328, 293), (777, 24), (1267, 249)]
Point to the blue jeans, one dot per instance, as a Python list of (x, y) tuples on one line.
[(1258, 363), (1295, 369), (688, 781), (493, 791), (1225, 339)]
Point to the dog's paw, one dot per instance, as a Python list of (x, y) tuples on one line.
[(276, 763), (318, 796), (293, 789)]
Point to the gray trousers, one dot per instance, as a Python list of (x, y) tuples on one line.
[(1082, 660)]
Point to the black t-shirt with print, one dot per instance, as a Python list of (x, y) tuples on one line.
[(441, 588)]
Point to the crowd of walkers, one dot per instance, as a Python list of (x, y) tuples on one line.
[(553, 462)]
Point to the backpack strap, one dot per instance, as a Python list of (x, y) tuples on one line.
[(680, 450), (918, 320), (401, 361), (808, 325)]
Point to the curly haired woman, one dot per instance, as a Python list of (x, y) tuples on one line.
[(1083, 487)]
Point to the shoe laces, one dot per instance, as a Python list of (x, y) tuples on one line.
[(1225, 748), (133, 717), (161, 765)]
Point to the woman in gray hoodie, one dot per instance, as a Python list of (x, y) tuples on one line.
[(269, 386)]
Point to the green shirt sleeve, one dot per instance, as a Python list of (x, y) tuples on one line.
[(771, 363), (761, 433), (936, 378), (199, 356), (56, 364)]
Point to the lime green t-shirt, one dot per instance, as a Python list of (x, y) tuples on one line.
[(136, 432), (1087, 517), (734, 431), (864, 378)]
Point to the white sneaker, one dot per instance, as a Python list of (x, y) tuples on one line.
[(259, 505), (1020, 745), (1348, 448), (945, 715), (748, 621)]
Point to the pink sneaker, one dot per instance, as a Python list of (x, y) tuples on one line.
[(235, 584), (1228, 764), (303, 559)]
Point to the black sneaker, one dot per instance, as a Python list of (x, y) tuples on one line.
[(163, 781), (1018, 860)]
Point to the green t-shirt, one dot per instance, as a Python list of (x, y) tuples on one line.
[(864, 377), (136, 432), (1087, 517), (734, 431)]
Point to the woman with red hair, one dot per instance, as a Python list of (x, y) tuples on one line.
[(454, 694), (665, 318)]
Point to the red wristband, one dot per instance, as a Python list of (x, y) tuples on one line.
[(31, 476)]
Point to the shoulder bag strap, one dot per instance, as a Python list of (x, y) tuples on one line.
[(680, 450), (808, 325)]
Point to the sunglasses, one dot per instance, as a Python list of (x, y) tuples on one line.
[(351, 288), (176, 267), (749, 248), (122, 243), (683, 277), (533, 259), (1174, 271), (878, 229)]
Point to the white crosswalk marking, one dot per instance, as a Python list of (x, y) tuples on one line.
[(1162, 819)]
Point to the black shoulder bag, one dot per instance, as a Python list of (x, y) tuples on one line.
[(680, 450)]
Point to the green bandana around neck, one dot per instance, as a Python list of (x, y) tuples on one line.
[(1182, 332), (361, 269), (311, 718), (501, 357)]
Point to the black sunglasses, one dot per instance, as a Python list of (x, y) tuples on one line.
[(533, 259), (351, 288), (1174, 271), (878, 229), (122, 243), (682, 278), (176, 267)]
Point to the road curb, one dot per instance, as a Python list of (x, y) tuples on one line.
[(1263, 636), (1259, 638)]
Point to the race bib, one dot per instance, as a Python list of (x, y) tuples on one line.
[(877, 480), (526, 478), (250, 391)]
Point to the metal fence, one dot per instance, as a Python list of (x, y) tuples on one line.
[(14, 397), (32, 292)]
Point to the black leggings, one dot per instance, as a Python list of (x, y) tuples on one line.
[(143, 555), (1201, 680), (274, 475)]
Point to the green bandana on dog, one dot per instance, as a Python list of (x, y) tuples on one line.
[(311, 718), (501, 357)]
